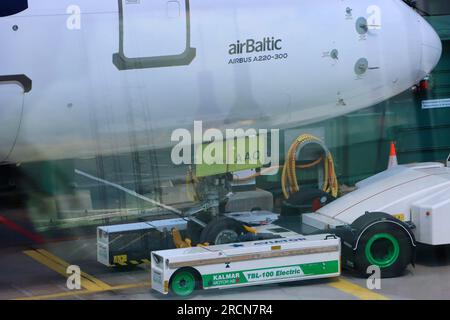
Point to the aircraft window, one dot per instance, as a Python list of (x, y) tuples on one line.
[(11, 7)]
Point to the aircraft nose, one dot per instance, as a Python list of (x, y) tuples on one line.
[(431, 47)]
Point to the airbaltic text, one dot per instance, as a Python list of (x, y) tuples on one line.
[(251, 45)]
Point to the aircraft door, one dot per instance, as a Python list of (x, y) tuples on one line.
[(12, 92), (153, 33), (12, 7)]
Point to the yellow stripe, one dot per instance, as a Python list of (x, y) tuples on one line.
[(88, 279), (45, 261), (84, 275), (357, 291), (60, 266), (85, 292)]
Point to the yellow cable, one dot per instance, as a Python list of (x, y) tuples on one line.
[(289, 181)]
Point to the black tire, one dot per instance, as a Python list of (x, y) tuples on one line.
[(386, 246), (227, 229), (194, 230)]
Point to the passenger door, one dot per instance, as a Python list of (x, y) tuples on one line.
[(153, 33), (11, 7), (12, 92)]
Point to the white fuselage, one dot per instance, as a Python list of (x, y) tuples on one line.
[(83, 103)]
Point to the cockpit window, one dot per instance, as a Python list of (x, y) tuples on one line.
[(11, 7)]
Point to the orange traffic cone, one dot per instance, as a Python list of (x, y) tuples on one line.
[(392, 156)]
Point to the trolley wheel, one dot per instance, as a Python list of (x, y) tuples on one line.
[(222, 230), (386, 247), (183, 283)]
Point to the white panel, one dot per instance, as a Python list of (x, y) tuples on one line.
[(432, 218)]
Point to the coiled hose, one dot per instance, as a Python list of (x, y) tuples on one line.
[(289, 182)]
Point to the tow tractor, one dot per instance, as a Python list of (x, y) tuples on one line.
[(247, 249), (181, 271), (379, 223)]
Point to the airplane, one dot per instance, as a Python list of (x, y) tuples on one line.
[(85, 78)]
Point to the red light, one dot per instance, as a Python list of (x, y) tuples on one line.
[(316, 204), (424, 85)]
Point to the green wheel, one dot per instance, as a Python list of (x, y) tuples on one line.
[(382, 250), (386, 247), (183, 283)]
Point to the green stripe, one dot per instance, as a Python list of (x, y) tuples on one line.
[(267, 274)]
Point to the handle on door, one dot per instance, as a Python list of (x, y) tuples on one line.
[(21, 79)]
